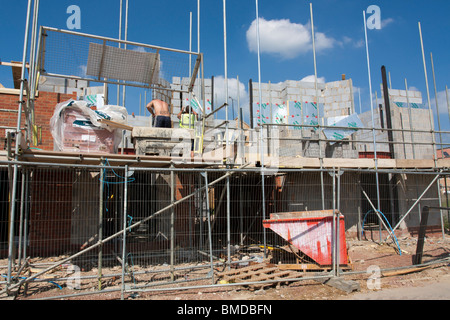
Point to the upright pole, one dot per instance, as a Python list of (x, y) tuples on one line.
[(226, 70), (390, 82), (371, 109), (315, 62), (250, 104), (437, 106), (446, 194), (22, 204), (124, 236), (198, 26), (410, 119), (172, 222), (145, 102), (370, 86), (359, 93), (126, 38), (25, 222), (448, 101), (226, 131), (199, 87), (190, 43), (387, 107), (208, 212), (228, 225), (18, 143), (190, 67), (334, 227), (32, 135), (261, 149), (428, 93), (431, 121), (317, 104), (140, 104), (120, 38), (100, 226)]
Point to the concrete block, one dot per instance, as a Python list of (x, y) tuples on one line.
[(264, 86), (307, 85), (334, 84), (176, 80), (294, 91), (310, 92), (290, 83), (275, 87)]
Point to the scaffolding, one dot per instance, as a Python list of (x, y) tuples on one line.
[(98, 223)]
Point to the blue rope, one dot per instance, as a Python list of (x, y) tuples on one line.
[(107, 183), (389, 225), (118, 176)]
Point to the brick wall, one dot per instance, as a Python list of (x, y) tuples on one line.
[(44, 107)]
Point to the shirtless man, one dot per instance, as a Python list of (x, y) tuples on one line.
[(161, 114)]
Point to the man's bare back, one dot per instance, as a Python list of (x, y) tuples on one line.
[(161, 114), (158, 108)]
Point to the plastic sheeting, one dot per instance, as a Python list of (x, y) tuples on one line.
[(75, 127)]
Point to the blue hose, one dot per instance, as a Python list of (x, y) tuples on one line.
[(52, 282), (389, 225)]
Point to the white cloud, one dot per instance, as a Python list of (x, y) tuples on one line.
[(349, 42), (139, 49), (311, 78), (442, 103), (285, 39), (412, 88), (82, 70), (386, 22)]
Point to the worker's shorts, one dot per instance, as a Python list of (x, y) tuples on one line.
[(162, 122)]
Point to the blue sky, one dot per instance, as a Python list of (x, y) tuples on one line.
[(286, 49)]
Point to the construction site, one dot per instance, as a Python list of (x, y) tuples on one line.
[(97, 203)]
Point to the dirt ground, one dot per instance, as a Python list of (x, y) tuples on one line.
[(367, 258)]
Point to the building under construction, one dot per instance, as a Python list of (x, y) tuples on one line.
[(84, 183)]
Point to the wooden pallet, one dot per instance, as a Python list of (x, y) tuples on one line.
[(257, 273)]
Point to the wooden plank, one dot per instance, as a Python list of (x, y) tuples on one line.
[(348, 163), (415, 163), (443, 163), (13, 64), (387, 163), (298, 162), (17, 74), (116, 124), (303, 266), (404, 271)]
